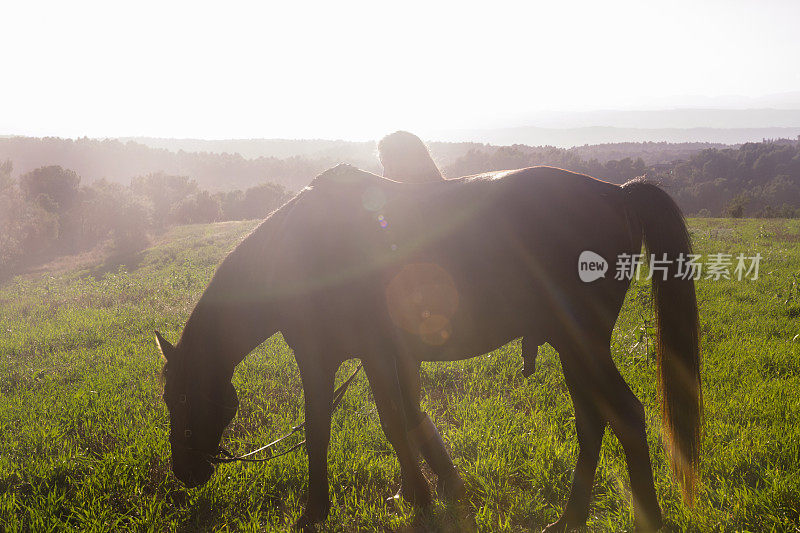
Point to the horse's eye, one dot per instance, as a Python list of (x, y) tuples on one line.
[(182, 398), (187, 433)]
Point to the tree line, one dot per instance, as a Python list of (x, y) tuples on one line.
[(760, 179), (239, 164), (47, 212), (117, 161)]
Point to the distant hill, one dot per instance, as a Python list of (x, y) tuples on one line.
[(658, 119), (118, 161), (569, 137), (364, 154), (253, 148), (220, 165), (775, 117), (563, 129), (651, 153)]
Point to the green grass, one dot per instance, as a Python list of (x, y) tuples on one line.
[(83, 442)]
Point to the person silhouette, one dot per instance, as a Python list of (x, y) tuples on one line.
[(405, 158)]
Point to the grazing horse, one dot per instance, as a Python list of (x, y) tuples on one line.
[(396, 273)]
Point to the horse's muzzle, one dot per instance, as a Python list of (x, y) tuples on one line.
[(191, 468)]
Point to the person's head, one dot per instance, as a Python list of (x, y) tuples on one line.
[(406, 158)]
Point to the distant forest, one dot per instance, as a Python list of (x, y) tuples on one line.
[(61, 196), (751, 180), (47, 212), (239, 164)]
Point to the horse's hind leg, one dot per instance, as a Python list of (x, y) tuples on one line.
[(424, 435), (600, 389), (590, 427), (626, 418), (388, 395)]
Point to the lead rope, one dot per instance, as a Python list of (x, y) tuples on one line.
[(224, 456)]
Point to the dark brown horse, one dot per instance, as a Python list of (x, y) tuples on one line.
[(394, 274)]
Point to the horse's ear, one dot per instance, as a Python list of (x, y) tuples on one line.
[(166, 348)]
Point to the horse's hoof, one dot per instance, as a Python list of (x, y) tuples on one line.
[(307, 523), (451, 488), (649, 527), (310, 518), (417, 498), (562, 525), (556, 527)]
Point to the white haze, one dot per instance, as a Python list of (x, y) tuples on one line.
[(355, 70)]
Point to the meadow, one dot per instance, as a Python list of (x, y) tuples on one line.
[(83, 429)]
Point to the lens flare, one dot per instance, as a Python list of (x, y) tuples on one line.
[(422, 299)]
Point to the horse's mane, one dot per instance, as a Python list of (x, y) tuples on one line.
[(344, 174), (256, 243)]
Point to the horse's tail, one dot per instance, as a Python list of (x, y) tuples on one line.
[(677, 333)]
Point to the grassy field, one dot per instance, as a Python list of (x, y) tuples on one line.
[(83, 442)]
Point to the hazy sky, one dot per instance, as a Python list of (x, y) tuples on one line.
[(341, 69)]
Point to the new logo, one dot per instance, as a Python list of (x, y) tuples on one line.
[(591, 266)]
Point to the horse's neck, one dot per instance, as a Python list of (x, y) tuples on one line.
[(237, 310), (223, 332)]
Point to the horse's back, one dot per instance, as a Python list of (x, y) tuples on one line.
[(506, 245), (511, 241)]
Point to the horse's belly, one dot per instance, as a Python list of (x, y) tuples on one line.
[(479, 334)]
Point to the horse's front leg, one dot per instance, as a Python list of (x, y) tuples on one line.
[(389, 399), (423, 434), (318, 393)]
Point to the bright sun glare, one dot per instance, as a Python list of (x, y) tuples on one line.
[(356, 70)]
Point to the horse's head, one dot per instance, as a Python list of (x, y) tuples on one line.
[(201, 404)]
